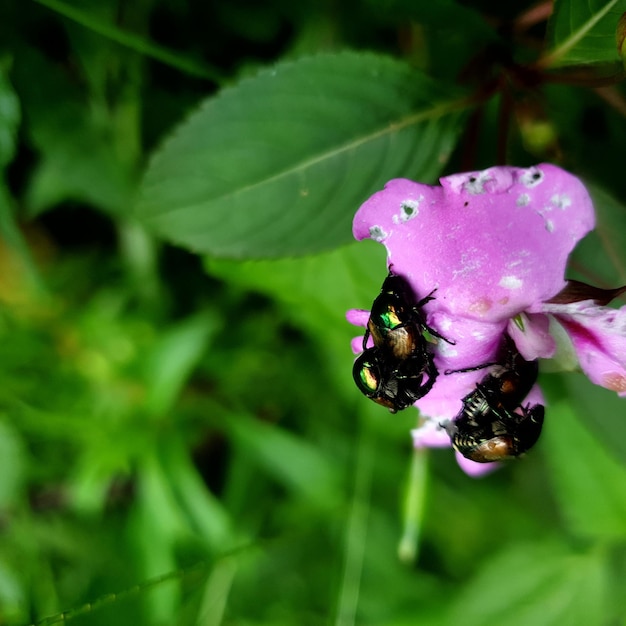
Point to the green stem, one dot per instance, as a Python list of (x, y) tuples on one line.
[(132, 41), (413, 509), (356, 531)]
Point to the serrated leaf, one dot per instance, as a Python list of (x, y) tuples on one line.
[(277, 165), (583, 32), (540, 584), (589, 482)]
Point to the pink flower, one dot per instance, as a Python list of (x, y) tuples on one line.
[(494, 244)]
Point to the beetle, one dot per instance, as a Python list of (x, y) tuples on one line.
[(497, 436), (393, 384), (397, 323), (400, 368), (492, 425)]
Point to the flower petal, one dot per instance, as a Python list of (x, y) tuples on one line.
[(476, 344), (535, 340), (598, 335), (493, 242), (357, 345), (430, 435), (473, 469), (358, 317)]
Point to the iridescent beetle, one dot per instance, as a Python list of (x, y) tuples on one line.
[(397, 324), (493, 425), (393, 384), (400, 368)]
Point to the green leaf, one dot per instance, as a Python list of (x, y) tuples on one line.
[(589, 482), (440, 15), (77, 145), (12, 591), (542, 584), (170, 363), (204, 513), (277, 165), (156, 524), (583, 32), (11, 234), (14, 464), (611, 229), (291, 460), (600, 410), (316, 291), (134, 42), (9, 119), (602, 253)]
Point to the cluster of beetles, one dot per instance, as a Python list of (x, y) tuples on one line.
[(399, 369)]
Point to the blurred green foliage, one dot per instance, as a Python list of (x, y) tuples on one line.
[(180, 438)]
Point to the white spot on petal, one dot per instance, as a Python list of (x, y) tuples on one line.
[(532, 177), (476, 182), (523, 200), (409, 209), (561, 201), (511, 282), (430, 434), (445, 323), (469, 264), (446, 350), (550, 226), (378, 234)]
